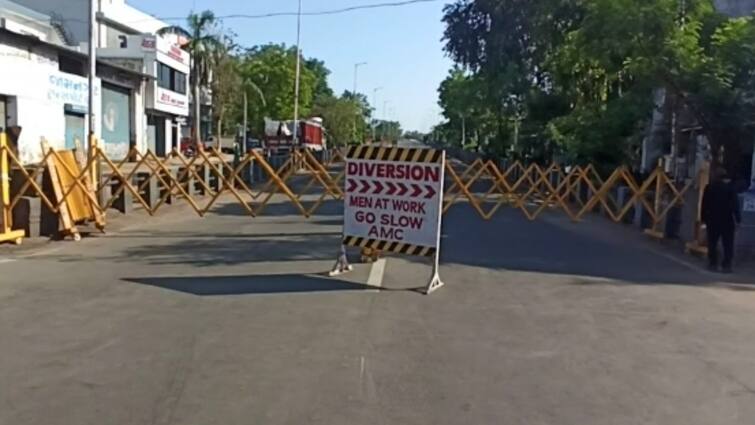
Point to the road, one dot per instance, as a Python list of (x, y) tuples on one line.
[(228, 320)]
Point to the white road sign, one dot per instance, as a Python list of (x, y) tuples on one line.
[(395, 195)]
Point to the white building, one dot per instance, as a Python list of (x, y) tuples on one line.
[(43, 89), (166, 100), (126, 38)]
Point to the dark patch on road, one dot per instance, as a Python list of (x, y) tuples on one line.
[(249, 285)]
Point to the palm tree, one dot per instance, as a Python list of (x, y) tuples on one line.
[(203, 39)]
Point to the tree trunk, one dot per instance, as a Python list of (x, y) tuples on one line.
[(197, 111), (220, 129)]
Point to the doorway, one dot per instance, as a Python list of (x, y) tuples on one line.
[(75, 129)]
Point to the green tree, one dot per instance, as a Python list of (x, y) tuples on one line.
[(320, 73), (387, 131), (272, 68), (362, 130), (462, 99), (225, 82), (698, 55), (340, 115), (504, 44), (415, 135), (574, 78)]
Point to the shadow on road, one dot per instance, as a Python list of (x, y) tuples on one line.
[(254, 284), (552, 244), (229, 251), (281, 207), (198, 250)]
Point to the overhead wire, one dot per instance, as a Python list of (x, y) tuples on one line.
[(272, 14)]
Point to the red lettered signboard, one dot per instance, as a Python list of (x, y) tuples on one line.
[(393, 199)]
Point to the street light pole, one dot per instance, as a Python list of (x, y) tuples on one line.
[(356, 71), (374, 102), (356, 99), (244, 130), (298, 75)]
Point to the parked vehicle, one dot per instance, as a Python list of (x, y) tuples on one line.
[(279, 135)]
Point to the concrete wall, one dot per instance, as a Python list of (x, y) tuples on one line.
[(37, 94)]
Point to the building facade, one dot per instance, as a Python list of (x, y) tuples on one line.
[(166, 100), (43, 88), (158, 110)]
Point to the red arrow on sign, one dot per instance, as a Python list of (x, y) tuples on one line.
[(430, 191), (417, 190), (352, 186), (402, 189), (365, 186), (391, 188), (378, 187)]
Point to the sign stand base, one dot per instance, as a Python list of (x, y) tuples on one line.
[(435, 284), (342, 264)]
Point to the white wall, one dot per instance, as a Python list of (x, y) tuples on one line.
[(39, 92), (140, 119), (168, 135)]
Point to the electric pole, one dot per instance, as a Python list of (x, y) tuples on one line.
[(298, 75)]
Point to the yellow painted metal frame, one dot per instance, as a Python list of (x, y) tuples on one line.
[(7, 234)]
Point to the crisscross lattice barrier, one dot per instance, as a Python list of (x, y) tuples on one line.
[(86, 188)]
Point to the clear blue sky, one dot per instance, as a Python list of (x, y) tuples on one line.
[(402, 46)]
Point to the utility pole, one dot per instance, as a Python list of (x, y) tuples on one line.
[(388, 126), (243, 131), (464, 132), (356, 71), (356, 100), (92, 67), (298, 75)]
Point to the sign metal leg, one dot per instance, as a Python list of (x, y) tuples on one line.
[(342, 264), (435, 282)]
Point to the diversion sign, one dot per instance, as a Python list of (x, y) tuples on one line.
[(393, 199)]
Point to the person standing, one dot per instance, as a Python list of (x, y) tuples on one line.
[(721, 215)]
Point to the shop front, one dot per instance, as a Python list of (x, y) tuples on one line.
[(40, 99)]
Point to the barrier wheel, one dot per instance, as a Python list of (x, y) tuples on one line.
[(76, 237), (18, 241)]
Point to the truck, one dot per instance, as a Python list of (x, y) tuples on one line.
[(279, 135)]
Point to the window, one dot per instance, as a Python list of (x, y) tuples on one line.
[(170, 79), (179, 82), (163, 76), (71, 65)]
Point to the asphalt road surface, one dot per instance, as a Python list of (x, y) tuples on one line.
[(228, 320)]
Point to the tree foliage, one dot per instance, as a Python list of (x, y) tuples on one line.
[(574, 78), (272, 68), (225, 81), (387, 131), (341, 117), (266, 74)]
